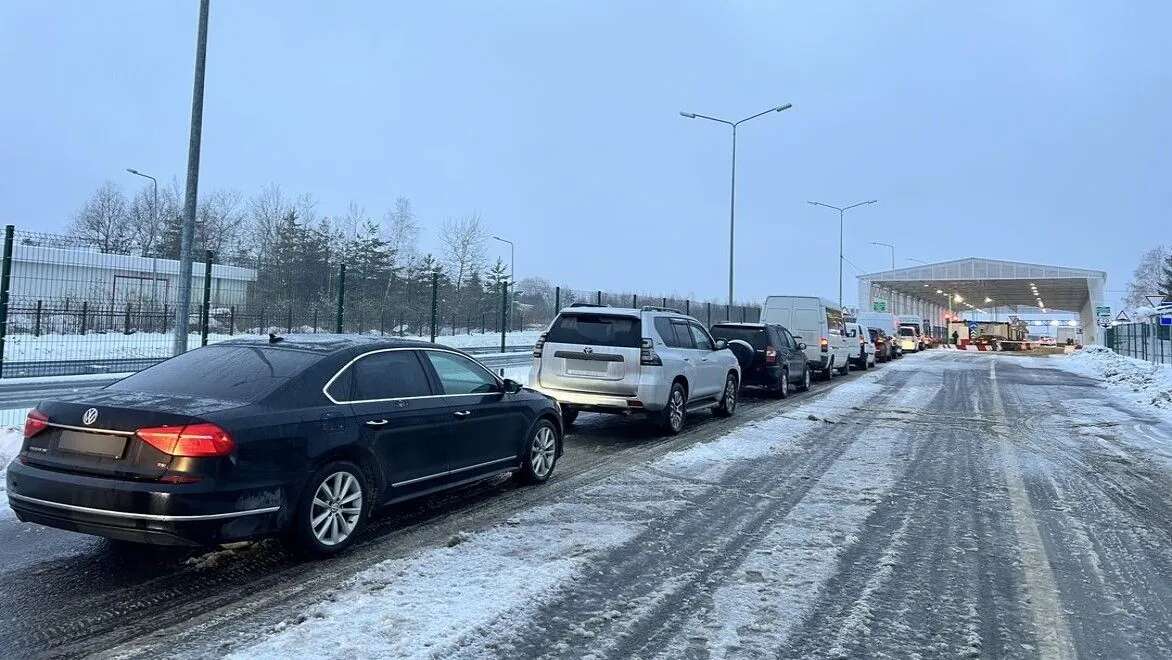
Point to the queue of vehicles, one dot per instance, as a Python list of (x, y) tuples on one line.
[(302, 437)]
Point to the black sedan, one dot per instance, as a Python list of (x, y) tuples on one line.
[(301, 436)]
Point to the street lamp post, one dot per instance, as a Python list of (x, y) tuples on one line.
[(732, 201), (512, 284), (841, 211), (155, 184), (187, 235)]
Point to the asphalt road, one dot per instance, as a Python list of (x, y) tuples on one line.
[(965, 506)]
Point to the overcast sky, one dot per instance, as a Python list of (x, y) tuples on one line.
[(1034, 131)]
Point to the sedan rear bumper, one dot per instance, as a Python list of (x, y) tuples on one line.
[(144, 512)]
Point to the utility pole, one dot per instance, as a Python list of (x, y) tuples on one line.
[(187, 235)]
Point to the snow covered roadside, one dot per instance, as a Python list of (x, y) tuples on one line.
[(20, 348), (1145, 383), (10, 441), (467, 599)]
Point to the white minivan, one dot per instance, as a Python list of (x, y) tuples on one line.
[(817, 323), (910, 333)]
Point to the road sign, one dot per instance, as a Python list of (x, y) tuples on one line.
[(878, 305), (1123, 318), (1103, 310), (1156, 301), (1166, 320)]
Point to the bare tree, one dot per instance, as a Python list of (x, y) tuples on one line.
[(1148, 279), (402, 231), (463, 247), (104, 221), (220, 223), (145, 222), (265, 213)]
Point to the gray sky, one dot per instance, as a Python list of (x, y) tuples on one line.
[(1035, 131)]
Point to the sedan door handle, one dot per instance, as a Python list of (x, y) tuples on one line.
[(376, 422), (462, 413)]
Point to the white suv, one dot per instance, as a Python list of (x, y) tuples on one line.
[(653, 360)]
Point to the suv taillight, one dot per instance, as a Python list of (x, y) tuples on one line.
[(539, 345), (824, 344), (770, 355), (194, 440), (647, 355), (34, 423)]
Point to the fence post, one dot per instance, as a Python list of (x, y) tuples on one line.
[(688, 307), (84, 308), (37, 321), (505, 312), (232, 320), (164, 318), (206, 308), (635, 301), (434, 302), (599, 298), (315, 320), (338, 319), (664, 302), (557, 300), (125, 320), (5, 279), (709, 304)]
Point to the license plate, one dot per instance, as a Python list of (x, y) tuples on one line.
[(593, 367), (91, 444)]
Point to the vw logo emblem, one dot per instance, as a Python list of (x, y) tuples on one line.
[(90, 416), (587, 349)]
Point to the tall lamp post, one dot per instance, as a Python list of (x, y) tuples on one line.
[(892, 248), (841, 210), (187, 235), (512, 283), (732, 201), (155, 185)]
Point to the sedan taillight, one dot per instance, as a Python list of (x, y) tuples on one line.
[(194, 440), (647, 355), (539, 345), (34, 423), (770, 355)]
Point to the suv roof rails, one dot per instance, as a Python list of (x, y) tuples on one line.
[(587, 304), (654, 308)]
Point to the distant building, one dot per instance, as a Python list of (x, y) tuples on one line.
[(60, 275)]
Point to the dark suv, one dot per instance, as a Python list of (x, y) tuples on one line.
[(770, 356)]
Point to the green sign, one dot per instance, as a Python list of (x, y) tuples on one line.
[(1103, 310), (879, 306)]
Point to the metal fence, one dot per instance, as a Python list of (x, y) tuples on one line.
[(69, 308), (1143, 341)]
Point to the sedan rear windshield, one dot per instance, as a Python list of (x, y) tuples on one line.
[(230, 373), (596, 330), (756, 337)]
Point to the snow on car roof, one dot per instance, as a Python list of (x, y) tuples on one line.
[(325, 343)]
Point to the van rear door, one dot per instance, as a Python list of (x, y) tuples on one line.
[(593, 352)]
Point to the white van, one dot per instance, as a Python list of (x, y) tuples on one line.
[(817, 323), (913, 340)]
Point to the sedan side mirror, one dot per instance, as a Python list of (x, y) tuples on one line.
[(721, 344), (511, 386)]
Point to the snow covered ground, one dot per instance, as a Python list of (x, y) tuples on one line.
[(10, 441), (21, 348), (453, 600), (1143, 382)]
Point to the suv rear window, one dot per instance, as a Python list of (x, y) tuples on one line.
[(756, 337), (596, 330), (229, 373)]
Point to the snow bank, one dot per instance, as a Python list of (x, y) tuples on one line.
[(1149, 384), (10, 441), (20, 348)]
